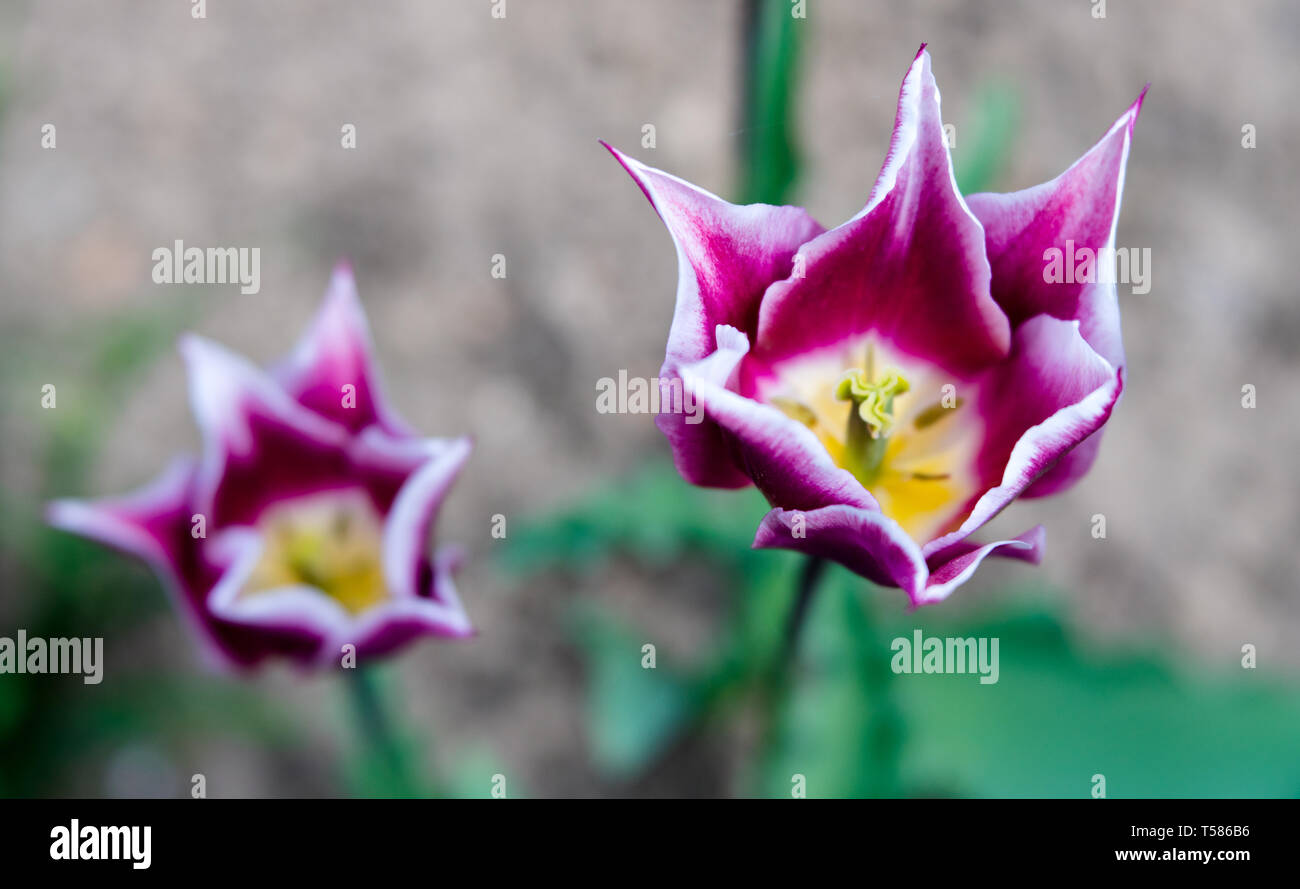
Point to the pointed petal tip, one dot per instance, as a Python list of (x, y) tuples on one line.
[(342, 288), (64, 514), (635, 169), (343, 272), (340, 295), (464, 444), (195, 349), (1136, 108), (618, 155), (921, 62), (1036, 541), (1128, 119), (456, 452), (213, 369), (459, 632), (186, 343), (84, 518), (122, 520)]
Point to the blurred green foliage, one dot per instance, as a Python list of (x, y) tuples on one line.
[(634, 713), (1060, 712), (982, 146), (53, 726), (1063, 710)]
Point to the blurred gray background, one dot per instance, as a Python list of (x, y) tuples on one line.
[(477, 136)]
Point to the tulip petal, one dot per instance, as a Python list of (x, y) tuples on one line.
[(876, 547), (702, 451), (145, 523), (410, 523), (960, 562), (727, 255), (334, 353), (1051, 394), (262, 446), (782, 456), (436, 612), (1080, 206), (865, 541), (909, 268), (154, 524)]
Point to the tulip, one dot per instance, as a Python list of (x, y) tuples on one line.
[(302, 530), (891, 384)]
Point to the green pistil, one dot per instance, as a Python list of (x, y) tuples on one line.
[(870, 420)]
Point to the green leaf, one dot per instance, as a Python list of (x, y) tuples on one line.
[(1060, 713), (633, 712)]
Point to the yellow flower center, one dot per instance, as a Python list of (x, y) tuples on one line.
[(904, 437), (332, 542)]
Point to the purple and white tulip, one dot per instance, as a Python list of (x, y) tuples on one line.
[(304, 526), (893, 383)]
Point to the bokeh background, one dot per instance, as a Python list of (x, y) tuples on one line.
[(477, 136)]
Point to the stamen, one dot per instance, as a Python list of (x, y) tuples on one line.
[(796, 410), (931, 476), (874, 401), (870, 420), (934, 413), (342, 522)]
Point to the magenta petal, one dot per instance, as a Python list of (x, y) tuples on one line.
[(960, 562), (702, 450), (910, 267), (782, 456), (874, 546), (436, 612), (1081, 205), (262, 446), (727, 255), (145, 523), (410, 523), (336, 353), (154, 525), (1051, 395), (865, 541)]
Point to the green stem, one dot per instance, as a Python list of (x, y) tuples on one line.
[(378, 734), (812, 572), (769, 154)]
